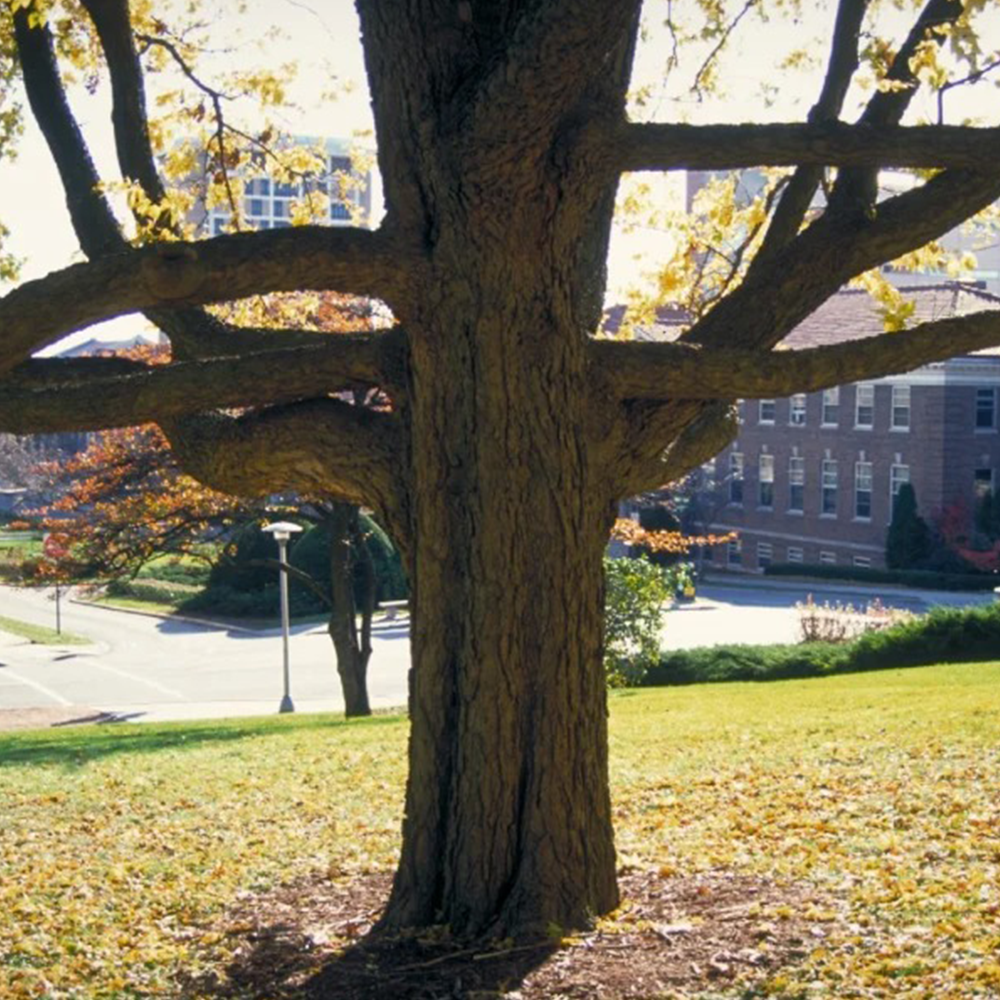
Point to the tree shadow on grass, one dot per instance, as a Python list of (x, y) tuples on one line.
[(74, 747), (314, 940)]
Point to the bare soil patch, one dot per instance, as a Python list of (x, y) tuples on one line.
[(672, 937)]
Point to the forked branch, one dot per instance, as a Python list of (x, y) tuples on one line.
[(680, 371), (98, 393), (316, 447), (183, 274)]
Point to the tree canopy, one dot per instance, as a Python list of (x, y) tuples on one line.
[(503, 129)]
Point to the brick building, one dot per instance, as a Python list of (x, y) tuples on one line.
[(811, 478)]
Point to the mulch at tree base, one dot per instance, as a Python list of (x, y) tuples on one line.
[(672, 937)]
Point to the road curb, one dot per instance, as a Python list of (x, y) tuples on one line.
[(186, 619)]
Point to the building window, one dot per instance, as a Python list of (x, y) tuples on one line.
[(765, 554), (794, 554), (831, 407), (864, 407), (986, 409), (736, 477), (735, 552), (797, 410), (828, 558), (796, 484), (982, 483), (765, 411), (862, 562), (900, 408), (898, 475), (765, 481), (828, 507), (863, 490)]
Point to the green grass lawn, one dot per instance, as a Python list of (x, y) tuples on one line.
[(118, 846), (40, 633)]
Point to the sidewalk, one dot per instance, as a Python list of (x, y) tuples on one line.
[(846, 590)]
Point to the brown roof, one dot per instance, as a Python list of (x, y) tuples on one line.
[(850, 314)]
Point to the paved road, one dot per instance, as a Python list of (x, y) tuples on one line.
[(151, 668), (148, 668)]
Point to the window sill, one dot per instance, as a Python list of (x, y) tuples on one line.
[(795, 513), (899, 430), (861, 520), (864, 427), (984, 430), (828, 517)]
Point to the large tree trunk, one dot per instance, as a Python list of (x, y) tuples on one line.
[(353, 650), (508, 820)]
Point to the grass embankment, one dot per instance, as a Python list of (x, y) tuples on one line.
[(40, 634), (120, 846)]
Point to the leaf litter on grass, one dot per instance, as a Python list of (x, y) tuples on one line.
[(863, 812)]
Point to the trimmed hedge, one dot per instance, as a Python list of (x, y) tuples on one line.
[(946, 635), (928, 579)]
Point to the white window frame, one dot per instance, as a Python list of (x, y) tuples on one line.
[(737, 475), (863, 472), (761, 419), (797, 410), (796, 477), (900, 416), (829, 484), (765, 477), (765, 554), (827, 558), (794, 554), (986, 393), (862, 562), (734, 552), (831, 401), (896, 479), (864, 399)]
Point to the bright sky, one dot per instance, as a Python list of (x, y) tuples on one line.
[(323, 37)]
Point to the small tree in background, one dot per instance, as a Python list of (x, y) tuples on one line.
[(908, 543)]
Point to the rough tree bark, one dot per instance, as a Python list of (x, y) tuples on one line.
[(502, 134)]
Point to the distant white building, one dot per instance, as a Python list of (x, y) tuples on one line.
[(268, 203)]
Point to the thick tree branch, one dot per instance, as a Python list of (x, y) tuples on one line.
[(836, 247), (685, 371), (193, 332), (182, 274), (93, 221), (793, 206), (98, 393), (734, 147), (320, 446), (128, 92), (856, 189)]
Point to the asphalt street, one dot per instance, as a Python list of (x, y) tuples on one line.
[(147, 668)]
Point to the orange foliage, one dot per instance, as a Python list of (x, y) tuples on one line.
[(669, 542)]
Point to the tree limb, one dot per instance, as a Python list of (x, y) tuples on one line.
[(658, 147), (98, 393), (797, 197), (165, 275), (770, 303), (685, 371), (318, 446)]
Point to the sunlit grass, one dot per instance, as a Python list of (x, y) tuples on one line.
[(120, 845), (40, 633)]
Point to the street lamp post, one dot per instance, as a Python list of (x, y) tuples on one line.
[(282, 531)]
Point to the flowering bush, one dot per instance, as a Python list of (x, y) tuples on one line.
[(842, 622)]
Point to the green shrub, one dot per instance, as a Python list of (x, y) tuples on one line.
[(635, 591), (224, 600), (928, 579), (946, 635), (162, 593)]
